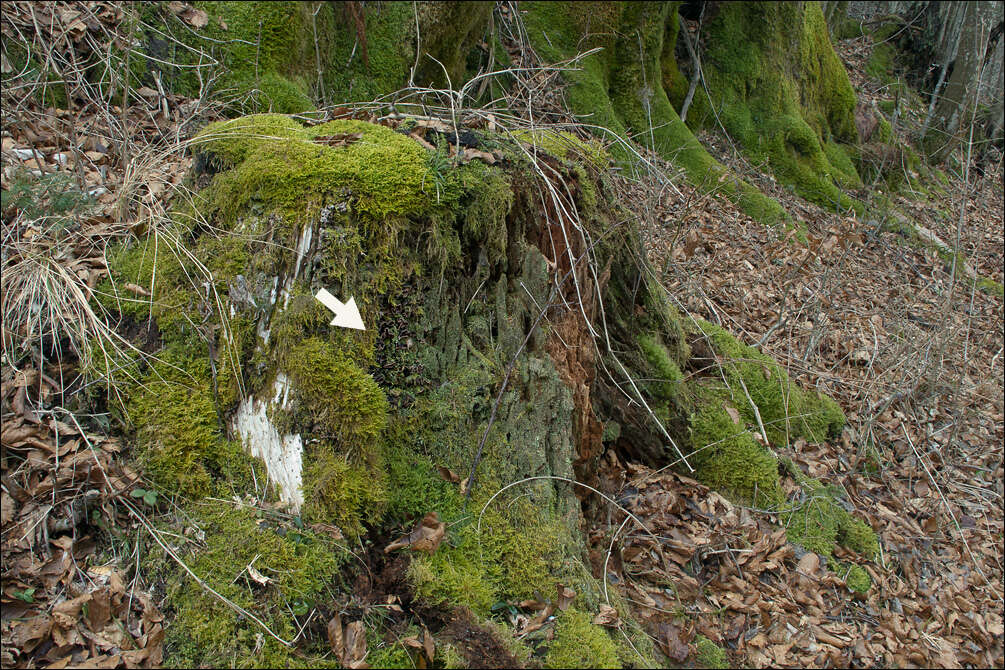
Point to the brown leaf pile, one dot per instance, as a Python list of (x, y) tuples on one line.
[(59, 611), (738, 582)]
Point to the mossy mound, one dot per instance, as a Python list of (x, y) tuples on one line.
[(777, 86), (579, 643), (708, 654), (445, 264), (450, 266), (621, 88)]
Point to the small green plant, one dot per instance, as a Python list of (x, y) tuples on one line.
[(49, 196), (28, 595), (149, 497), (440, 165)]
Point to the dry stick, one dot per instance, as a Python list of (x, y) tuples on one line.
[(696, 63), (757, 412), (956, 253)]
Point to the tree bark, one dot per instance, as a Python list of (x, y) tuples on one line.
[(942, 134)]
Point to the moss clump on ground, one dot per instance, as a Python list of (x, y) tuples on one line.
[(205, 632), (991, 287), (880, 63), (578, 643), (818, 522), (858, 580), (726, 455), (708, 654), (787, 411), (338, 492)]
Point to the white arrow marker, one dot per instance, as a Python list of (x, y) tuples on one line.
[(346, 316)]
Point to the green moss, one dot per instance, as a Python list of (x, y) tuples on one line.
[(786, 410), (179, 441), (848, 29), (783, 94), (414, 486), (857, 536), (513, 559), (617, 91), (565, 145), (578, 643), (390, 54), (668, 378), (880, 63), (346, 406), (991, 287), (390, 655), (612, 431), (340, 493), (206, 632), (256, 56), (842, 158), (484, 211), (276, 162), (858, 580), (883, 132), (708, 654), (818, 522), (723, 424), (727, 457), (385, 210)]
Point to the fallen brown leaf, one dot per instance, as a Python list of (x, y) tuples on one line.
[(565, 597), (607, 616), (426, 536)]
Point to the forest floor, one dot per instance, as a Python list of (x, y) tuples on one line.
[(913, 353), (865, 312)]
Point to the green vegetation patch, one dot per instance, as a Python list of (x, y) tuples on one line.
[(777, 87), (787, 411), (708, 654), (726, 455), (858, 580), (278, 162), (300, 566), (344, 404), (620, 88), (179, 439), (817, 522), (579, 643)]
